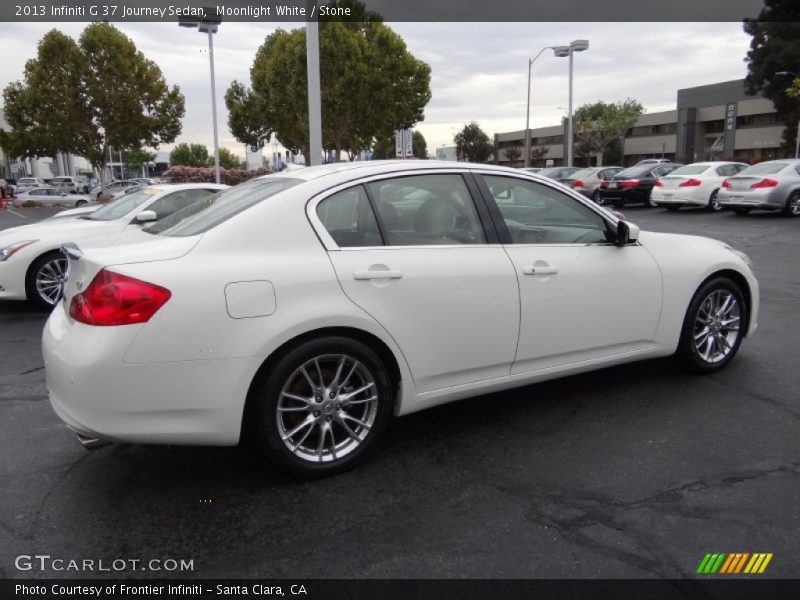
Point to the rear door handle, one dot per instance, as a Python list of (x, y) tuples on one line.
[(377, 274), (539, 270)]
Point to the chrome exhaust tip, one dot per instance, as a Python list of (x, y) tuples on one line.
[(92, 443)]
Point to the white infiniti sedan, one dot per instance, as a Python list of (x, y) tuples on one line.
[(305, 309), (697, 184), (32, 266)]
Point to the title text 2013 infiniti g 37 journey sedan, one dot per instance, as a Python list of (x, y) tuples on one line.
[(307, 308)]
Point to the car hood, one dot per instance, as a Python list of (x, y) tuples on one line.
[(652, 239), (62, 228)]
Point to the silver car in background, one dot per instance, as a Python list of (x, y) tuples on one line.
[(587, 181), (771, 185)]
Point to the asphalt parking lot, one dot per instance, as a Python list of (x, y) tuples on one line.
[(633, 471)]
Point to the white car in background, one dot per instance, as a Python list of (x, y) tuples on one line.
[(307, 308), (29, 183), (50, 196), (697, 184), (32, 266)]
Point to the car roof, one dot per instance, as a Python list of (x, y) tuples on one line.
[(376, 167)]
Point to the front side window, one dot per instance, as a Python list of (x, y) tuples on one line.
[(424, 210), (122, 206), (538, 214)]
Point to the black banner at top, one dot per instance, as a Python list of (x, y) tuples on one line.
[(284, 11)]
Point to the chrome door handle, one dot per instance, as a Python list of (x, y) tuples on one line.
[(539, 270), (377, 274)]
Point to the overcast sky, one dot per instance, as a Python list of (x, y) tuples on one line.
[(479, 70)]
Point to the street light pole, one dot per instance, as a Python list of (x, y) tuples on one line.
[(574, 46), (209, 25), (528, 111)]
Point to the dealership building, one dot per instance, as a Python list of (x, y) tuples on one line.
[(711, 122)]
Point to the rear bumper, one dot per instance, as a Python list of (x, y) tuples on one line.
[(626, 195), (767, 201), (678, 198), (98, 396)]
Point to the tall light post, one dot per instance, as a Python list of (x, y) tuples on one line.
[(797, 135), (528, 110), (574, 46), (209, 25)]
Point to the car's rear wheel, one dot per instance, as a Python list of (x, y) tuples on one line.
[(737, 210), (650, 202), (45, 280), (597, 198), (80, 203), (792, 208), (713, 204), (714, 326), (323, 407)]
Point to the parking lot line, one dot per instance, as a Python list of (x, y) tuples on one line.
[(13, 212)]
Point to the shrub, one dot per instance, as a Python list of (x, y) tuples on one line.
[(206, 175), (32, 204)]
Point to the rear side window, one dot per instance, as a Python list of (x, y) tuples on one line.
[(348, 218)]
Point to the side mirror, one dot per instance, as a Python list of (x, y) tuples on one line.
[(627, 233), (146, 216)]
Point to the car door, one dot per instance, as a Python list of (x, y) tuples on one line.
[(582, 297), (414, 253)]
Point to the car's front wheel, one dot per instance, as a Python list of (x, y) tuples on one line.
[(46, 276), (323, 407), (714, 326), (80, 203)]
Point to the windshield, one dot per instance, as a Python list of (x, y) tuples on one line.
[(209, 212), (122, 206), (767, 168), (690, 170)]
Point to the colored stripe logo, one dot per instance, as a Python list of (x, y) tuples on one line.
[(734, 563)]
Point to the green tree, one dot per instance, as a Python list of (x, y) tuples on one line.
[(82, 97), (227, 159), (598, 124), (419, 147), (473, 144), (514, 152), (136, 157), (370, 86), (775, 47), (538, 153), (383, 148), (190, 155)]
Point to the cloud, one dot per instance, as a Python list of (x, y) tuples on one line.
[(479, 70)]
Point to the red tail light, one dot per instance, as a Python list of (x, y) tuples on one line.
[(603, 185), (657, 183), (577, 183), (764, 183), (726, 184), (114, 299), (691, 183), (628, 183)]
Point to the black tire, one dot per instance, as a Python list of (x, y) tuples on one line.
[(739, 211), (698, 320), (672, 207), (266, 422), (42, 267), (792, 208), (713, 204), (80, 203), (597, 198), (649, 202)]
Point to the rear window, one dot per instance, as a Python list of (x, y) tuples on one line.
[(767, 168), (638, 171), (690, 170), (583, 173), (210, 212)]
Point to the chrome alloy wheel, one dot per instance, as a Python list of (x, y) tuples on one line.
[(50, 279), (717, 326), (327, 408)]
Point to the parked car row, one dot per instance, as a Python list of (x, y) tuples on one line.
[(715, 185)]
